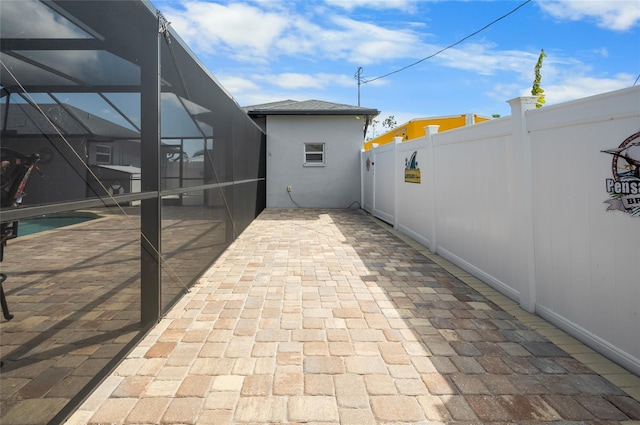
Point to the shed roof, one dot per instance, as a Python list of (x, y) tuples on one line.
[(308, 107)]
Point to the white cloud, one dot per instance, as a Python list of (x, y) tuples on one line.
[(364, 43), (302, 38), (342, 38), (264, 88), (236, 84), (406, 5), (505, 91), (246, 32), (291, 80), (302, 50), (563, 79), (618, 15), (238, 29), (576, 87), (484, 60)]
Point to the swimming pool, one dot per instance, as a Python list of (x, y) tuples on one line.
[(30, 226)]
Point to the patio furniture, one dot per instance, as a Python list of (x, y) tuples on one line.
[(15, 171)]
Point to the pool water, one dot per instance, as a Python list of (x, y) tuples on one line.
[(30, 226)]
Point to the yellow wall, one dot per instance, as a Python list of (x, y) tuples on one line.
[(415, 128)]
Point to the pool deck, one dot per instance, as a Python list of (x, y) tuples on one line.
[(75, 295), (332, 317)]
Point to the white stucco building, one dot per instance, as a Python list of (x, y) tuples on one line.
[(313, 152)]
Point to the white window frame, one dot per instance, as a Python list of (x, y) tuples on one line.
[(103, 154), (315, 163)]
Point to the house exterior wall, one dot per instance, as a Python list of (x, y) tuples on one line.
[(336, 184)]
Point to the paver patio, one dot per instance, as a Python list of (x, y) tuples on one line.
[(328, 316), (75, 294)]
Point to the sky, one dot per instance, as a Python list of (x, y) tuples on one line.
[(444, 57)]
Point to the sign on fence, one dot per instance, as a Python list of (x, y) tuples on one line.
[(411, 170), (624, 187)]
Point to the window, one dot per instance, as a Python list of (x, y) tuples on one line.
[(314, 154), (103, 154)]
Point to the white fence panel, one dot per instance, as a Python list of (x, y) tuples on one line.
[(384, 182), (367, 179), (523, 203), (472, 165), (587, 259), (415, 218)]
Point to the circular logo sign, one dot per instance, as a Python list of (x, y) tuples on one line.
[(624, 187)]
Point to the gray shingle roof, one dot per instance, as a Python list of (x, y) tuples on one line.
[(27, 120), (308, 107)]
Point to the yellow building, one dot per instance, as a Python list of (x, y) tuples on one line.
[(415, 128)]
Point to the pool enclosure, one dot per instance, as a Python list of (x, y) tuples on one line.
[(125, 124)]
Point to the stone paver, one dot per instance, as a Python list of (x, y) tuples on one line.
[(329, 317), (76, 307)]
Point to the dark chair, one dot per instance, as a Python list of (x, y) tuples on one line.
[(15, 170)]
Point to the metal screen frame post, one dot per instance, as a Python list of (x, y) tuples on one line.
[(150, 212)]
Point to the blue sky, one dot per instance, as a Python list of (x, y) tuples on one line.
[(269, 50)]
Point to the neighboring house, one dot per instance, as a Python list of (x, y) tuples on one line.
[(83, 148), (313, 152), (415, 128), (78, 139)]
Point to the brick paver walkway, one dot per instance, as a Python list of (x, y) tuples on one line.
[(327, 317)]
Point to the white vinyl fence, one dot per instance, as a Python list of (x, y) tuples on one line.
[(543, 205)]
